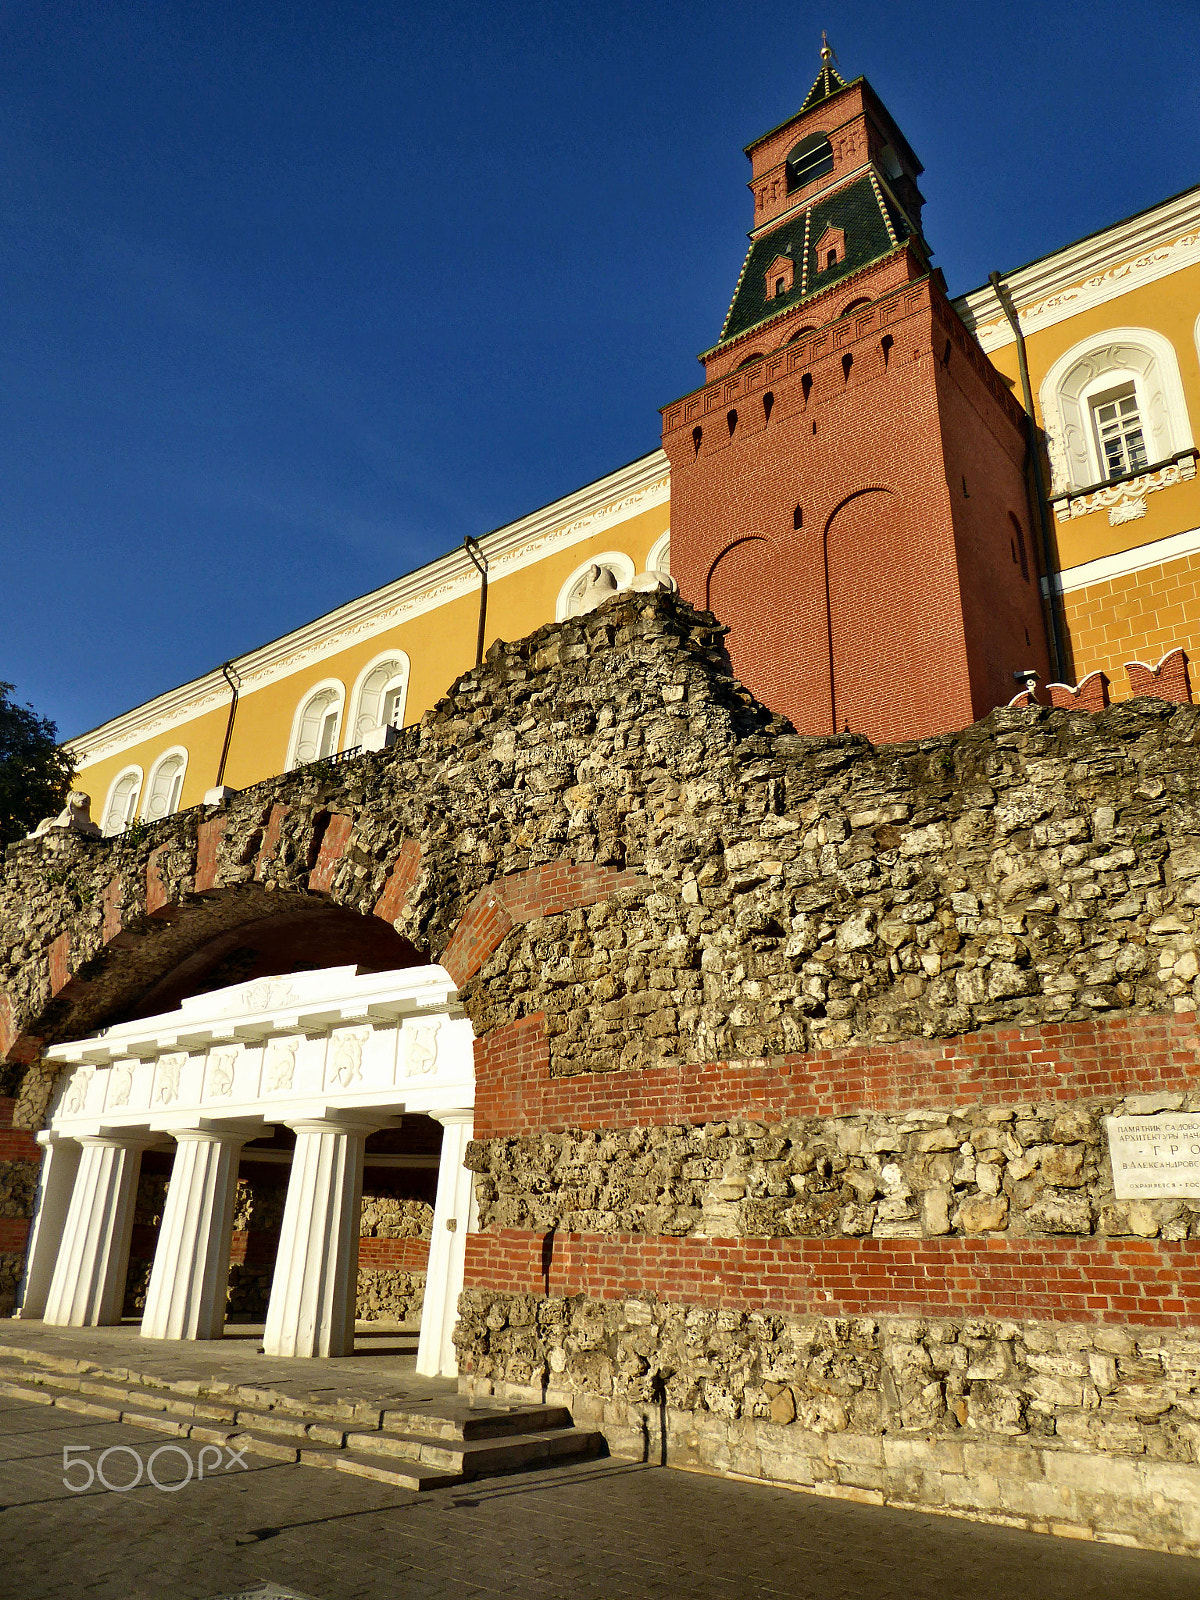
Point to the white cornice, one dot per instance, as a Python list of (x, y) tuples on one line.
[(1089, 272), (590, 510), (1154, 554)]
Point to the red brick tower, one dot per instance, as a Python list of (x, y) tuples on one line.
[(847, 488)]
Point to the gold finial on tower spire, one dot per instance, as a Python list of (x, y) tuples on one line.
[(826, 48)]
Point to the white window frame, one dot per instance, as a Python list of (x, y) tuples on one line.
[(622, 567), (1106, 361), (1115, 395), (306, 700), (361, 695), (131, 804), (659, 559), (176, 782)]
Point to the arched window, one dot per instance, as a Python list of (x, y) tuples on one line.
[(659, 559), (592, 583), (855, 305), (120, 807), (811, 159), (165, 786), (316, 724), (1113, 405), (380, 695)]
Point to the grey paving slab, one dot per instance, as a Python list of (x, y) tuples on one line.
[(613, 1530), (382, 1368)]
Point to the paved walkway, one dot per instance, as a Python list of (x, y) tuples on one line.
[(601, 1531), (380, 1370)]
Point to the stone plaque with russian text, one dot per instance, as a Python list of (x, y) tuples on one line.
[(1155, 1158)]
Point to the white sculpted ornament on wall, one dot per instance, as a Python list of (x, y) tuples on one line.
[(264, 994), (169, 1068), (220, 1073), (281, 1064), (347, 1039), (77, 1092), (1126, 501), (75, 817), (346, 1057), (420, 1049)]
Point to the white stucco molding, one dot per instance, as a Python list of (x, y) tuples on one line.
[(129, 807), (1138, 356), (1090, 272), (1155, 553), (598, 506), (365, 717), (149, 796), (324, 686)]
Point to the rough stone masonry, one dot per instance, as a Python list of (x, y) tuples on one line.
[(792, 1057)]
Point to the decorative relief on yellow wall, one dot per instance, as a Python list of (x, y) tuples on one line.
[(1126, 501), (1098, 287)]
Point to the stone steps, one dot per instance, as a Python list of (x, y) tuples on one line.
[(425, 1445)]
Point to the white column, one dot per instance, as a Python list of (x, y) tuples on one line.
[(454, 1216), (60, 1163), (88, 1284), (186, 1297), (315, 1288)]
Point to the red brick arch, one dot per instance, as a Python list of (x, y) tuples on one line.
[(146, 920)]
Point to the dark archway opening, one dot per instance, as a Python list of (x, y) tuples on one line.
[(296, 941)]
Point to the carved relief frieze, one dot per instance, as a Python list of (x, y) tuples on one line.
[(420, 1049), (167, 1078), (1125, 502), (120, 1086), (219, 1077), (345, 1057), (75, 1098), (280, 1065)]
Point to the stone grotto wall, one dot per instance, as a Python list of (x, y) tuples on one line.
[(792, 1057)]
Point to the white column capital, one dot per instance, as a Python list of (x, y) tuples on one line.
[(455, 1117), (120, 1139), (364, 1122), (220, 1132)]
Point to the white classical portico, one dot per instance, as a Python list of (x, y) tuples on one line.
[(333, 1055)]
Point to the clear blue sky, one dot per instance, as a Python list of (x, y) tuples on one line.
[(296, 295)]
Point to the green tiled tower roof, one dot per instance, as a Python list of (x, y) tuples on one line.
[(871, 225)]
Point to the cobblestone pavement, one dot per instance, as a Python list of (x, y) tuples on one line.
[(612, 1530)]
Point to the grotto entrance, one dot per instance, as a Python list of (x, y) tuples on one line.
[(261, 1111)]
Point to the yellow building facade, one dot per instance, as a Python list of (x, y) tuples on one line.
[(380, 661), (1111, 333), (1111, 326)]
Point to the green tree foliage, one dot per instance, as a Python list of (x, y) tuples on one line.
[(35, 774)]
